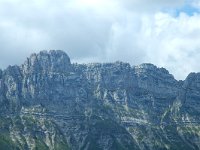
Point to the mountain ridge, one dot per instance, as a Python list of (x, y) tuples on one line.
[(50, 103), (49, 52)]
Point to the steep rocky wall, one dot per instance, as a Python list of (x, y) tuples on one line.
[(97, 106)]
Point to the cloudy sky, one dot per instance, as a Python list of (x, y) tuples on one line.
[(163, 32)]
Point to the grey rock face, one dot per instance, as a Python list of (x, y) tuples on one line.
[(49, 103), (156, 80), (191, 94), (1, 72), (47, 62)]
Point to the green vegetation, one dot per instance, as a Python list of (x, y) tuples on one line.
[(40, 145), (6, 143), (62, 146)]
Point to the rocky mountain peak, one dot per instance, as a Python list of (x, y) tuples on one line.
[(192, 81), (49, 103), (56, 61), (156, 80), (148, 68), (1, 72)]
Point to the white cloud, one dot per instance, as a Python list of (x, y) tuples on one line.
[(172, 42), (134, 31), (153, 5), (195, 3)]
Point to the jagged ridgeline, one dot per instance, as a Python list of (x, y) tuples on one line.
[(48, 103)]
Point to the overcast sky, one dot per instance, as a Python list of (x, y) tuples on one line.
[(163, 32)]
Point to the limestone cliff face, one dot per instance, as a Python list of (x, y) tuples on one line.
[(47, 62), (49, 103), (156, 80)]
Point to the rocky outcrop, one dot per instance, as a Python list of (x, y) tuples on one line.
[(47, 62), (191, 94), (49, 103), (156, 80)]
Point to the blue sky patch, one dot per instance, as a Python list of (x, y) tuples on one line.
[(188, 9)]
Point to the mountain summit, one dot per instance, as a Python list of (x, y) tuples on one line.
[(52, 61), (48, 103)]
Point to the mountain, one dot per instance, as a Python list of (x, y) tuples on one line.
[(48, 103)]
